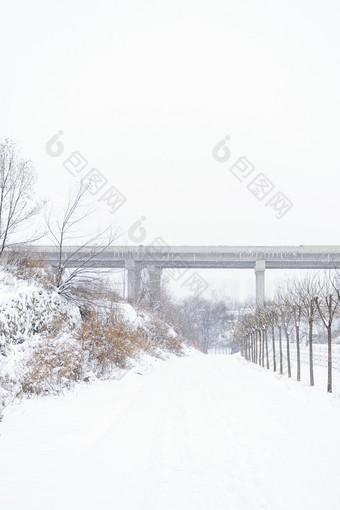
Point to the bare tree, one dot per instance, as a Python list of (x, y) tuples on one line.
[(280, 350), (74, 271), (18, 204), (311, 299), (306, 290), (262, 315), (242, 332), (250, 330), (272, 322), (296, 307), (285, 314), (327, 302)]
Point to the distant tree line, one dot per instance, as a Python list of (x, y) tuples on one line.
[(207, 323)]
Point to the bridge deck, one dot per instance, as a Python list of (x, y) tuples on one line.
[(203, 257)]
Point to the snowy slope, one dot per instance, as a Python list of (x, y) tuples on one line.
[(197, 432), (42, 347)]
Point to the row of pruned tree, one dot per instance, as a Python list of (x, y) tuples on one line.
[(267, 332)]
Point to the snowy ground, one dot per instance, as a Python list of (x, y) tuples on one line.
[(199, 432)]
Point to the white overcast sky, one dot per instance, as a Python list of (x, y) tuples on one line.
[(146, 89)]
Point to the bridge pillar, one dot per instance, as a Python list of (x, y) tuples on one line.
[(155, 273), (260, 266), (134, 279)]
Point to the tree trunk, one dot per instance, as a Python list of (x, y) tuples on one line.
[(311, 370), (329, 383), (274, 355), (266, 340), (298, 355), (280, 347), (288, 354), (255, 340), (262, 348)]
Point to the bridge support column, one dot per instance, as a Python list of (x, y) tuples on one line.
[(134, 278), (155, 273), (260, 266)]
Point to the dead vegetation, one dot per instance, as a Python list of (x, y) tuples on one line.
[(59, 360), (105, 345), (161, 338), (63, 346), (54, 365), (25, 266)]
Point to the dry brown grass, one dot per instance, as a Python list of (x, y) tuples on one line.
[(98, 346), (106, 344), (25, 266), (53, 366)]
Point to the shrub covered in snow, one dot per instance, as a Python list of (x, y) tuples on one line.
[(27, 309), (54, 364), (105, 345)]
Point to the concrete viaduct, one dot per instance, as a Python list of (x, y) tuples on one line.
[(158, 256)]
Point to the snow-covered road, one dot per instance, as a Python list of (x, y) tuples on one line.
[(201, 432)]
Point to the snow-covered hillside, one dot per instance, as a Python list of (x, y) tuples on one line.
[(46, 345)]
